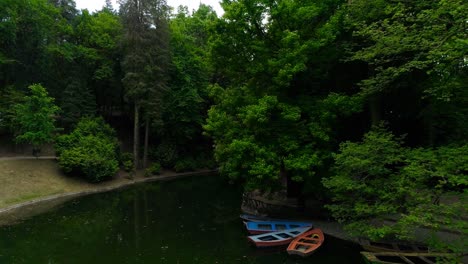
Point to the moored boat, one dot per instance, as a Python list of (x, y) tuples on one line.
[(306, 244), (278, 238), (257, 218), (403, 257), (273, 226)]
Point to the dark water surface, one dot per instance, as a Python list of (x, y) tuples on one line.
[(194, 220)]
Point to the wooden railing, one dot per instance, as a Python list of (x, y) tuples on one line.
[(262, 205)]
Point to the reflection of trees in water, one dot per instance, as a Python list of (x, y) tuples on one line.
[(50, 238), (123, 223)]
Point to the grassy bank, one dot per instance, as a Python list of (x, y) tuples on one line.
[(24, 180)]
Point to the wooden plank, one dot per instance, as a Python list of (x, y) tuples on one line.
[(405, 259), (414, 254), (427, 260)]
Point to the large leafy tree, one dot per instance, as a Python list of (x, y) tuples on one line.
[(185, 104), (417, 48), (35, 117), (95, 84), (74, 54), (27, 31), (274, 113)]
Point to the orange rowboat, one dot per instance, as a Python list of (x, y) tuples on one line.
[(305, 244)]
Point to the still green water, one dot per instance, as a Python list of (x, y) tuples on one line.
[(194, 220)]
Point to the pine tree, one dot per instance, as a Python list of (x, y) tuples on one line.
[(146, 61)]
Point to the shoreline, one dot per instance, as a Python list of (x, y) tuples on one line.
[(20, 211)]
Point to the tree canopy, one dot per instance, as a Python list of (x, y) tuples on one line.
[(34, 118)]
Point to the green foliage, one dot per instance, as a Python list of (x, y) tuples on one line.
[(94, 158), (185, 164), (426, 37), (379, 179), (126, 160), (277, 86), (154, 169), (166, 154), (205, 161), (185, 103), (258, 140), (144, 41), (89, 151), (10, 96), (128, 165), (34, 118), (74, 54), (360, 169), (418, 48), (77, 102), (272, 112)]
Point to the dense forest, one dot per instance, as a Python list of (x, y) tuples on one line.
[(362, 104)]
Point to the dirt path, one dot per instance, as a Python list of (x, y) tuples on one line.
[(28, 158)]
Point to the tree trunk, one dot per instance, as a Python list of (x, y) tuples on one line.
[(145, 151), (136, 138)]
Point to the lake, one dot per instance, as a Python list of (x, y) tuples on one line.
[(191, 220)]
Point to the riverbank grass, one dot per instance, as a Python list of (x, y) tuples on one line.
[(24, 180)]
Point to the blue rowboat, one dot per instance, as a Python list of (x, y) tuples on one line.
[(273, 226), (256, 218), (279, 238)]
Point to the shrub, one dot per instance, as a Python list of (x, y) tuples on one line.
[(154, 169), (128, 165), (185, 164), (205, 160), (64, 142), (210, 164), (126, 160), (89, 151), (379, 178), (166, 153)]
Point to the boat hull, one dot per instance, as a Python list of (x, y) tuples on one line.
[(256, 228), (275, 239), (271, 243), (306, 244), (255, 218)]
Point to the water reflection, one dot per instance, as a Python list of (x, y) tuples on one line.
[(194, 220)]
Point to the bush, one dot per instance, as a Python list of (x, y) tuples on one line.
[(205, 160), (154, 169), (166, 153), (64, 142), (90, 150), (379, 178), (126, 160), (185, 164), (210, 164), (128, 165)]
